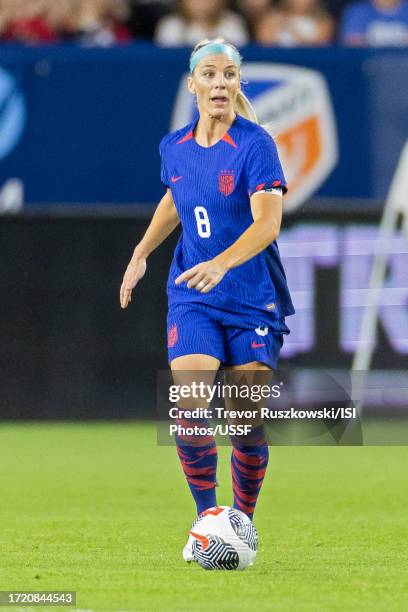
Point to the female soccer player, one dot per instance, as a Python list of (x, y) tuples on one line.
[(227, 290)]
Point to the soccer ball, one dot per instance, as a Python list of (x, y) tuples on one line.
[(224, 538)]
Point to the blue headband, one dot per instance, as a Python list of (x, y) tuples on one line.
[(211, 49)]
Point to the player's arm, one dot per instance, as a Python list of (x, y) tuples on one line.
[(266, 207), (163, 223)]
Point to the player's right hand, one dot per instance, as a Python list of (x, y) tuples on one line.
[(134, 272)]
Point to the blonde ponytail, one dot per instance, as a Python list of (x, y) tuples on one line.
[(244, 107)]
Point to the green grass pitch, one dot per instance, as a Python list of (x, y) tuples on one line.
[(100, 509)]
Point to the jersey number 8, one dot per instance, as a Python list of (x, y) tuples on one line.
[(203, 222)]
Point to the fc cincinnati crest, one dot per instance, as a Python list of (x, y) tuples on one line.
[(226, 182), (294, 105)]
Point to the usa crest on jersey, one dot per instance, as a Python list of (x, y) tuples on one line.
[(226, 182)]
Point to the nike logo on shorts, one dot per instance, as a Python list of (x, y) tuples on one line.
[(174, 179), (256, 344)]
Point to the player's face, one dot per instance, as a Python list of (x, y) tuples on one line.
[(215, 82)]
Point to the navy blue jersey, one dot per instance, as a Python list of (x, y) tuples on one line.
[(211, 188)]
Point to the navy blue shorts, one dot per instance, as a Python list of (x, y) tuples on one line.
[(198, 328)]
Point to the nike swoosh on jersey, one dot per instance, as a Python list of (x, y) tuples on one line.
[(174, 179), (256, 345)]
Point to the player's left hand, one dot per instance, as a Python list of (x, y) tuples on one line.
[(202, 277)]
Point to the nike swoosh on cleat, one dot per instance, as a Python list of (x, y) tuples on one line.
[(174, 179), (256, 345)]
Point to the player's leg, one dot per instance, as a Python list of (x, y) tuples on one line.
[(197, 452), (196, 349), (250, 453), (252, 355)]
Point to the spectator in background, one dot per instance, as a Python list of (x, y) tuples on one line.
[(5, 15), (253, 11), (99, 23), (62, 17), (26, 21), (375, 23), (199, 19), (145, 14), (91, 22), (296, 23)]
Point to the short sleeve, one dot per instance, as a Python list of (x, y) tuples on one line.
[(263, 167), (164, 177)]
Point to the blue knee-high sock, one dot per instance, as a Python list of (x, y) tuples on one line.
[(198, 456), (249, 461)]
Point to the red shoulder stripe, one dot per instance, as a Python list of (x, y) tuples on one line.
[(188, 136), (227, 138)]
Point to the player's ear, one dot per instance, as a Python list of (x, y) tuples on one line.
[(191, 86)]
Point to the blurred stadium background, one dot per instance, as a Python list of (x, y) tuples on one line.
[(87, 90)]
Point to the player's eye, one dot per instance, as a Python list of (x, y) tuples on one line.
[(209, 73), (230, 74)]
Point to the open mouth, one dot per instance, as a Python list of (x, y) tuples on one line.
[(219, 99)]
